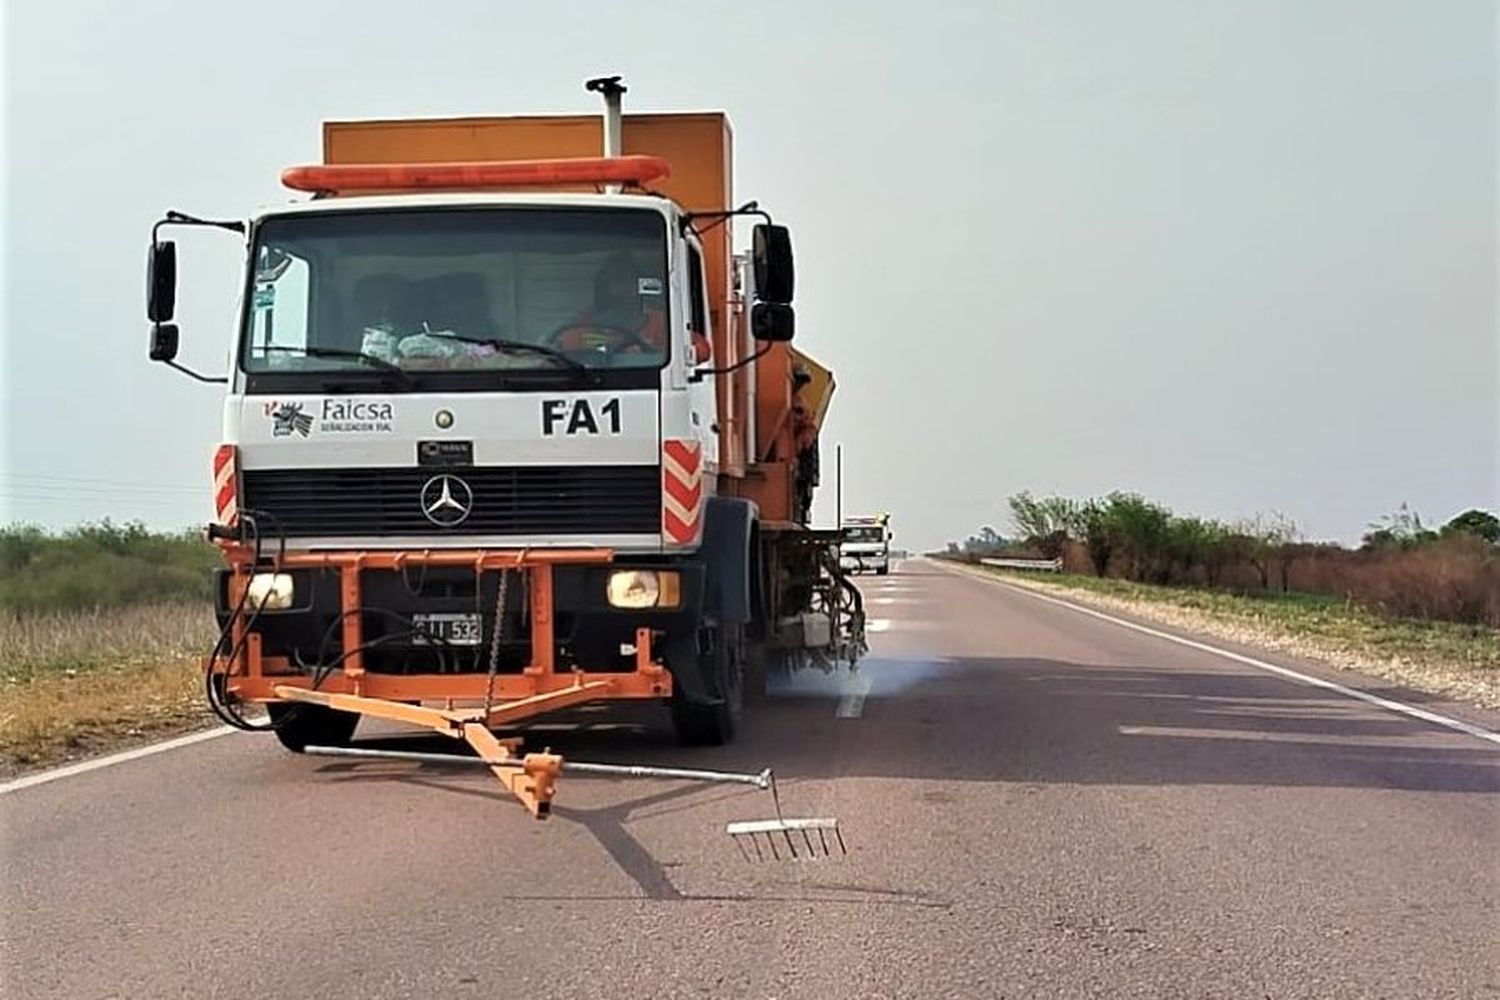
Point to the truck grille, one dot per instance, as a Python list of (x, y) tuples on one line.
[(523, 500)]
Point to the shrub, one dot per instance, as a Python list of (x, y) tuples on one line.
[(101, 566)]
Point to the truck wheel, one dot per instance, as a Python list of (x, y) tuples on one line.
[(300, 726), (882, 570), (723, 673)]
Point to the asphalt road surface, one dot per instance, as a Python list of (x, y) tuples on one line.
[(1037, 804)]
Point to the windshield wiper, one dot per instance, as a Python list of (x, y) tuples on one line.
[(338, 352), (517, 347)]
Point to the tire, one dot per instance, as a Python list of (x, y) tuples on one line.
[(723, 673), (882, 570), (300, 726)]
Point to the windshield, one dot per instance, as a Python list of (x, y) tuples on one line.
[(864, 534), (435, 291)]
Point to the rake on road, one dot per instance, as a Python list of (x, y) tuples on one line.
[(782, 839), (787, 839), (779, 839)]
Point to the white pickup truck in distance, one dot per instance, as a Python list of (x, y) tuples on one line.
[(866, 544)]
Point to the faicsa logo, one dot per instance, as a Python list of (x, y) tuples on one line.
[(359, 410), (334, 416), (357, 416), (287, 418)]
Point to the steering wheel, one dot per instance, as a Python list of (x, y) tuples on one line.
[(623, 337)]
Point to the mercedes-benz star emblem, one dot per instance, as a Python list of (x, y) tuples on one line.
[(446, 500)]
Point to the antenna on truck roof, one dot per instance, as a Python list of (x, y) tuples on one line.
[(611, 88)]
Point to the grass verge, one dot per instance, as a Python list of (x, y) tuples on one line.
[(76, 684), (1461, 662)]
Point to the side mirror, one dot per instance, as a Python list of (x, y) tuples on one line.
[(773, 322), (164, 341), (161, 282), (771, 255)]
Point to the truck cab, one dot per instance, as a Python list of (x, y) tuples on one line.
[(442, 371), (865, 545)]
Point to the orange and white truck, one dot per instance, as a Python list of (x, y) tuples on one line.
[(511, 425)]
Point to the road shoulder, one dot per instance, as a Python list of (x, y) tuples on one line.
[(1202, 629)]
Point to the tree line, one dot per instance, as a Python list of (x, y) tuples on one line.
[(1402, 565)]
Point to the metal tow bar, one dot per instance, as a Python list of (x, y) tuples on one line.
[(758, 840)]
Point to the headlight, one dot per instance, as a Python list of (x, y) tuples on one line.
[(270, 592), (644, 588)]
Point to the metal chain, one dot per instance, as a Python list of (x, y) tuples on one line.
[(496, 637)]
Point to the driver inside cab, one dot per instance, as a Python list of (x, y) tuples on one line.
[(628, 315)]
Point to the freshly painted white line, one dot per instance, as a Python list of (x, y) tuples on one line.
[(852, 704), (57, 774), (1390, 705), (1417, 737)]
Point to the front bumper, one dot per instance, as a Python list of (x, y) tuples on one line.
[(585, 628), (350, 623)]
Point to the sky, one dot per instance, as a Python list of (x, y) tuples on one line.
[(1239, 257)]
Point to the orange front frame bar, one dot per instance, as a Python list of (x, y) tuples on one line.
[(253, 677)]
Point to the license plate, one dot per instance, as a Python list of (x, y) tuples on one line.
[(456, 629)]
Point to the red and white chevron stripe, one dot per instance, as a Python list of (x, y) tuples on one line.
[(226, 485), (681, 490)]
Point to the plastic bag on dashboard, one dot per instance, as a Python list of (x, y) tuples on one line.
[(439, 349), (379, 342), (423, 345)]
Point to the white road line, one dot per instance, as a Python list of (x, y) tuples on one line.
[(878, 625), (1401, 708), (1417, 737), (852, 704), (57, 774)]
